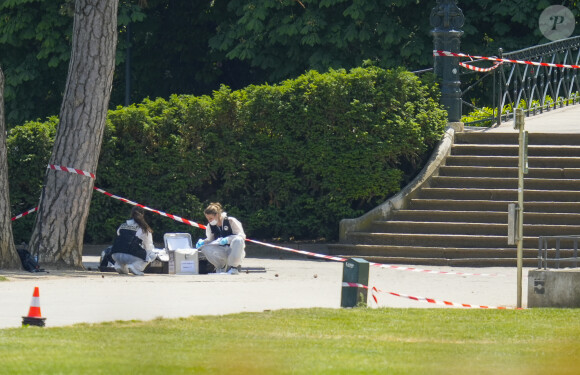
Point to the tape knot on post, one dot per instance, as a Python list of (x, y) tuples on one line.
[(71, 170)]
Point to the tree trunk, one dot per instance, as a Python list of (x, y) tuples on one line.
[(8, 255), (64, 207)]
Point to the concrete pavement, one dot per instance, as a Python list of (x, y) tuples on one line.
[(292, 282), (561, 120)]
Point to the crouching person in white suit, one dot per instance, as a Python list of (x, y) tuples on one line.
[(225, 242), (133, 248)]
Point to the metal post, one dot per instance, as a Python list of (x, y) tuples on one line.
[(128, 68), (499, 73), (36, 251), (447, 19), (519, 123)]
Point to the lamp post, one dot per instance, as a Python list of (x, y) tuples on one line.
[(447, 20), (128, 68)]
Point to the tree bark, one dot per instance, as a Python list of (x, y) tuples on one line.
[(8, 255), (59, 229)]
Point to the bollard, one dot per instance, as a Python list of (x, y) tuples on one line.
[(355, 270)]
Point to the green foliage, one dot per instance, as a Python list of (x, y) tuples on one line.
[(285, 38), (35, 44), (481, 117), (288, 160), (169, 53), (191, 47), (485, 117), (29, 148)]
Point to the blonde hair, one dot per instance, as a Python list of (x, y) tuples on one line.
[(214, 208)]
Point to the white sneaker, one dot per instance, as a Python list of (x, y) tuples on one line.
[(220, 270), (121, 269), (233, 271), (134, 271)]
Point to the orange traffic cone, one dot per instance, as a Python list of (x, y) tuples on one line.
[(34, 317)]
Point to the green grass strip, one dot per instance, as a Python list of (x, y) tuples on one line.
[(307, 341)]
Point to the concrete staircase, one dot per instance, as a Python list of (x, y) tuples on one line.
[(459, 216)]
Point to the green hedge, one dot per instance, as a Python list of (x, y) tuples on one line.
[(289, 160)]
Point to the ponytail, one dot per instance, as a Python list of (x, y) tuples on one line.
[(138, 214)]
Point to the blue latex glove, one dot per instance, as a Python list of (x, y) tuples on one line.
[(224, 241), (199, 243)]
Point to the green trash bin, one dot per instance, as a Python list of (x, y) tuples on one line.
[(355, 270)]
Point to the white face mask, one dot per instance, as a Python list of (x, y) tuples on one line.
[(213, 222)]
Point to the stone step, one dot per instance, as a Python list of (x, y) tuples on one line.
[(491, 242), (512, 138), (500, 194), (513, 150), (554, 218), (430, 252), (466, 262), (504, 183), (509, 172), (492, 205), (444, 256), (460, 228), (429, 240), (512, 161), (459, 218)]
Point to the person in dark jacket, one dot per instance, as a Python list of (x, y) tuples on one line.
[(133, 247)]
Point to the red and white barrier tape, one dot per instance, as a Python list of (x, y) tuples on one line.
[(357, 285), (389, 266), (420, 270), (71, 170), (329, 257), (423, 299), (194, 224), (303, 252), (308, 253), (481, 70), (174, 217), (534, 63), (444, 303), (25, 213)]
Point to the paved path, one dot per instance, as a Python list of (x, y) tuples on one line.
[(562, 120), (293, 282)]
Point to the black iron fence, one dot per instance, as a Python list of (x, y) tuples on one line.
[(535, 89), (565, 251)]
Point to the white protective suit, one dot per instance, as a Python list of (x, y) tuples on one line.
[(126, 262), (225, 256)]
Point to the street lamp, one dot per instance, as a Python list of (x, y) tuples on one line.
[(447, 20)]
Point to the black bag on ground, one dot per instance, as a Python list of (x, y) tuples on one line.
[(205, 266), (28, 262), (106, 258)]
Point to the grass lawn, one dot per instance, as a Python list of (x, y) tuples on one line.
[(307, 341)]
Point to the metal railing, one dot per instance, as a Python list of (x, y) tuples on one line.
[(535, 89), (543, 243)]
